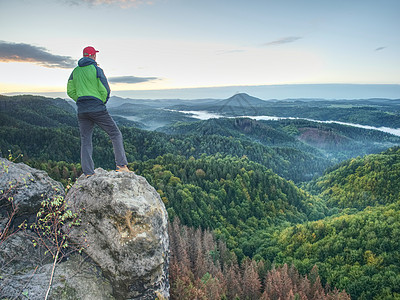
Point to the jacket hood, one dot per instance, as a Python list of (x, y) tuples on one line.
[(86, 61)]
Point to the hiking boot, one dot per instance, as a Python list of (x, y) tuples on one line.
[(123, 169)]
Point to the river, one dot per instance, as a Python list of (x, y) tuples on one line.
[(205, 115)]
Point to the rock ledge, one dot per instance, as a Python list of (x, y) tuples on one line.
[(124, 224)]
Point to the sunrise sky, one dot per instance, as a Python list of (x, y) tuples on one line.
[(175, 44)]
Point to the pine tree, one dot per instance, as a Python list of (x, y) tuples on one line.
[(251, 280)]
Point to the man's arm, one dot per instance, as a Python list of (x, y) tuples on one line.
[(104, 82), (71, 89)]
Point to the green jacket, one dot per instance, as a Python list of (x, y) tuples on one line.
[(88, 86)]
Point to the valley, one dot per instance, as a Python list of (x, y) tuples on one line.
[(286, 190)]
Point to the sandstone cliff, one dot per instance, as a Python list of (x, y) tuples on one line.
[(123, 228)]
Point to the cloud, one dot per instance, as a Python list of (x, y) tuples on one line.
[(285, 40), (131, 79), (380, 48), (20, 52)]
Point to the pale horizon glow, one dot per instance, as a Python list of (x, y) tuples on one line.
[(180, 44)]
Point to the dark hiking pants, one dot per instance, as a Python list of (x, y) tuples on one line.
[(86, 125)]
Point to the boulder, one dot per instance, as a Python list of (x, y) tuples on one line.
[(124, 229), (25, 270), (28, 187)]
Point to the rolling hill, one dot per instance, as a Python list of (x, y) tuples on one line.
[(360, 182)]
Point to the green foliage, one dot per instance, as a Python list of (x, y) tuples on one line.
[(53, 224), (356, 252), (243, 128), (203, 268), (58, 170), (261, 143), (36, 111), (361, 182), (235, 197), (59, 144)]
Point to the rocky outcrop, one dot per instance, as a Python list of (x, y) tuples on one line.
[(124, 226), (25, 270), (27, 186), (123, 229)]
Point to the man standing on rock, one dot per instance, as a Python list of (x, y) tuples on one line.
[(89, 88)]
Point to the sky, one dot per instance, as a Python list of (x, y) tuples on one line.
[(176, 47)]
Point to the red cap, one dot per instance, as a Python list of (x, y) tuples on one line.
[(89, 51)]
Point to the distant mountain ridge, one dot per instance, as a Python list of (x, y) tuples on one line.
[(242, 99), (375, 112)]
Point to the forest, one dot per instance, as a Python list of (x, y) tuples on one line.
[(286, 208)]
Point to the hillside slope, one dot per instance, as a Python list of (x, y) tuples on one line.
[(336, 141), (362, 181), (359, 252), (234, 197)]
